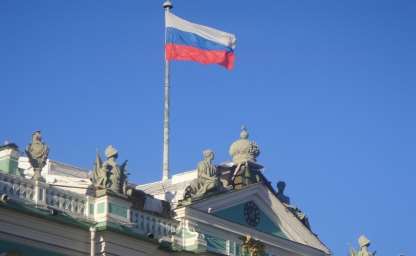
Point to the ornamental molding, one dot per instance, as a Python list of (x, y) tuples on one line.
[(207, 221), (271, 207)]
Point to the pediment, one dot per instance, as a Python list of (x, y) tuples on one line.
[(250, 215), (257, 208)]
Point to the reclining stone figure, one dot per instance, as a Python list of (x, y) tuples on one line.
[(207, 181)]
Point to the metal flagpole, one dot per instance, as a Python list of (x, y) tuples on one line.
[(167, 5)]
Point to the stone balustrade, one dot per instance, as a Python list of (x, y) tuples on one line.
[(146, 223), (46, 196), (17, 188), (69, 202), (42, 194)]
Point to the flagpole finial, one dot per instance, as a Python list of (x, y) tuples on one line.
[(167, 4)]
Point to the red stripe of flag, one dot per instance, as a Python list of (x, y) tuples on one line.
[(184, 52)]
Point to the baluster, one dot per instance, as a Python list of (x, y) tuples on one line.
[(136, 218), (159, 227), (142, 222), (75, 205), (61, 201), (147, 224), (81, 207), (30, 193), (43, 194), (163, 228), (23, 191), (169, 227)]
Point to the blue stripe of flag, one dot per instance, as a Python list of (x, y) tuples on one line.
[(179, 37)]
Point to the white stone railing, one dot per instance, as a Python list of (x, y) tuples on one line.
[(43, 195), (145, 223), (69, 202), (17, 188)]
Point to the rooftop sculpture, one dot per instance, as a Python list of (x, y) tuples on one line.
[(364, 243), (207, 181), (244, 154), (244, 150), (37, 152), (109, 175), (252, 247), (281, 185)]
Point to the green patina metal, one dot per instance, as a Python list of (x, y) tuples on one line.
[(265, 224), (24, 250), (117, 210), (101, 208)]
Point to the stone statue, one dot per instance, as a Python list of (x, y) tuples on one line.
[(281, 185), (37, 152), (364, 243), (244, 154), (244, 150), (301, 216), (109, 175), (252, 246), (99, 175), (245, 175), (207, 180)]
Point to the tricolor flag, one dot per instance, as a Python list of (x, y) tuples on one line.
[(189, 41)]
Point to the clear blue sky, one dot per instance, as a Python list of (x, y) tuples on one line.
[(326, 88)]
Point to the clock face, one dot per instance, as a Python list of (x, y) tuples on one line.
[(252, 214)]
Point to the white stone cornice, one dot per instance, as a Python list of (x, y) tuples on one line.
[(270, 205), (198, 216)]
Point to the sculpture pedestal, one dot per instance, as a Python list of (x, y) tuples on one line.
[(37, 176), (241, 174), (109, 206), (189, 238)]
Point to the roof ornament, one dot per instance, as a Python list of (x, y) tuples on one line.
[(244, 155), (244, 150), (281, 185), (299, 214), (207, 182), (252, 246), (364, 243), (38, 153), (109, 175)]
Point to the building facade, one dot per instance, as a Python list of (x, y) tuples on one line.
[(227, 209)]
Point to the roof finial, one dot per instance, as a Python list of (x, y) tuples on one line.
[(244, 132), (167, 4)]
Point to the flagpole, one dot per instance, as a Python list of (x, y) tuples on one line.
[(167, 5)]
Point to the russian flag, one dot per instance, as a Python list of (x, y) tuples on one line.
[(189, 41)]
